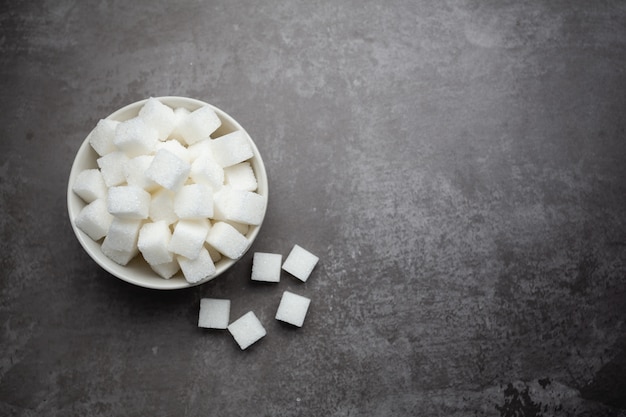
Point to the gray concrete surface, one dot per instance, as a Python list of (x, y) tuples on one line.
[(458, 166)]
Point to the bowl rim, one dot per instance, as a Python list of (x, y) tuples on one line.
[(150, 279)]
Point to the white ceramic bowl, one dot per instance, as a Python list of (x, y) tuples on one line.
[(137, 271)]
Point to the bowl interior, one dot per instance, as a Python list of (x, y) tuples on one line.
[(137, 271)]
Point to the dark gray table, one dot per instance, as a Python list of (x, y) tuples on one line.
[(459, 167)]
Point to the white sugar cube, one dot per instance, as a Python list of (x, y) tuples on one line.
[(300, 263), (180, 113), (200, 148), (128, 202), (134, 137), (266, 267), (240, 227), (204, 170), (198, 125), (199, 269), (214, 313), (231, 149), (228, 241), (168, 170), (123, 234), (248, 208), (119, 256), (240, 176), (239, 206), (188, 237), (292, 308), (162, 207), (159, 116), (220, 202), (153, 241), (112, 168), (194, 201), (246, 330), (120, 244), (94, 219), (135, 172), (101, 137), (176, 148), (166, 270), (89, 185)]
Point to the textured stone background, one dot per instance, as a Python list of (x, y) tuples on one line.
[(458, 166)]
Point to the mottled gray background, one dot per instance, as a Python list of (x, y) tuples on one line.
[(458, 166)]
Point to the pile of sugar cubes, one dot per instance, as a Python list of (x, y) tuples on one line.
[(167, 190), (292, 309)]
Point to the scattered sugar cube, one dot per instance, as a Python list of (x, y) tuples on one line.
[(292, 308), (89, 185), (239, 206), (198, 125), (101, 137), (123, 234), (135, 172), (241, 177), (112, 168), (188, 237), (300, 263), (214, 313), (246, 330), (194, 201), (162, 207), (153, 241), (176, 148), (180, 113), (166, 270), (168, 170), (135, 137), (159, 116), (228, 241), (198, 269), (266, 267), (231, 149), (128, 202), (94, 219), (204, 170)]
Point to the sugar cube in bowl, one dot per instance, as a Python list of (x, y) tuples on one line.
[(138, 271)]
